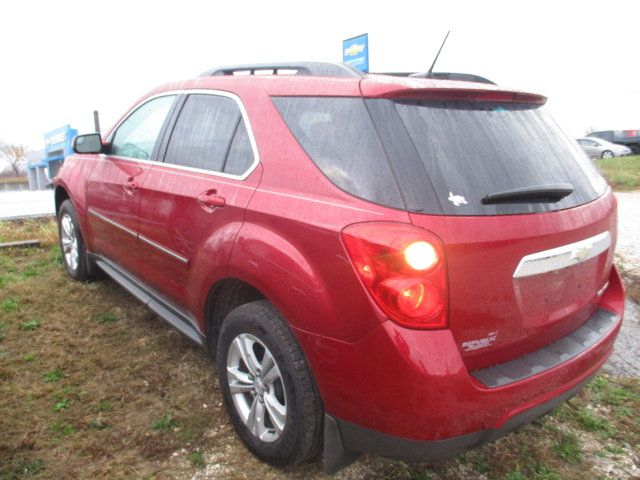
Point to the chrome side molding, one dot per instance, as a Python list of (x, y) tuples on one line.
[(562, 257), (140, 237)]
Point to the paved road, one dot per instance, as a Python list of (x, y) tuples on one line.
[(24, 204)]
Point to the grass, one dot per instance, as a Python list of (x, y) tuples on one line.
[(623, 173), (104, 406), (107, 317), (100, 387), (53, 376), (167, 423), (568, 448), (23, 468), (197, 459), (30, 325), (9, 305)]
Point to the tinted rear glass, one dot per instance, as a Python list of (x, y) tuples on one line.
[(473, 149), (440, 157), (339, 136)]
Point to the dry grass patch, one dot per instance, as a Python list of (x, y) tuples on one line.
[(43, 229)]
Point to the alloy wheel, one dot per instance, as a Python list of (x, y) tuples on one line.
[(69, 240), (256, 387)]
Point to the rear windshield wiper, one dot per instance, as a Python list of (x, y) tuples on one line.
[(536, 194)]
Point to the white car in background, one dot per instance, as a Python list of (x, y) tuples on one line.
[(599, 148)]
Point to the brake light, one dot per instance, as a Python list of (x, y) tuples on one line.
[(404, 270)]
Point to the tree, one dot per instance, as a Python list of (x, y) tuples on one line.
[(16, 157)]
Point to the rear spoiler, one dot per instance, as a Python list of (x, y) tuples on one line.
[(466, 94), (436, 89)]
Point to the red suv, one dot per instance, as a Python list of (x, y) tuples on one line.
[(404, 266)]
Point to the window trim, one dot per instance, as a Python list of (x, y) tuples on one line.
[(166, 132)]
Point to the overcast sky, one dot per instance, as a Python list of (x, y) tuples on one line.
[(63, 59)]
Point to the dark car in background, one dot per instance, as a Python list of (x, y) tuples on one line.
[(629, 138)]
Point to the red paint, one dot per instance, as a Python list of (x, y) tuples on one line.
[(280, 231)]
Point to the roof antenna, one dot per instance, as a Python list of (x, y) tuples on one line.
[(429, 73)]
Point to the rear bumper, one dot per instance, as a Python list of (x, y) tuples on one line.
[(408, 394), (344, 440)]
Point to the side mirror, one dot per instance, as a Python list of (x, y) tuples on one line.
[(89, 143)]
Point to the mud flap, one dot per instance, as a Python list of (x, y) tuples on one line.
[(335, 456)]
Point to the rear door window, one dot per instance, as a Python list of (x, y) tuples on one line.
[(210, 134)]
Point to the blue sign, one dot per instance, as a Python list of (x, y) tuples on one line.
[(58, 143), (355, 52)]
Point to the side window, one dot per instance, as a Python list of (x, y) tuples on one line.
[(339, 137), (137, 135), (210, 135)]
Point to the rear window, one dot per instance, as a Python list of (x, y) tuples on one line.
[(473, 149), (440, 157)]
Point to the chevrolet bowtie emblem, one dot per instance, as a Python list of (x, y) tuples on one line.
[(581, 253)]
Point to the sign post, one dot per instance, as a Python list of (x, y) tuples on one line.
[(355, 52)]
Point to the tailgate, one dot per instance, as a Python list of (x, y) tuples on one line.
[(519, 282)]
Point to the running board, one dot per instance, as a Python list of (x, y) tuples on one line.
[(174, 316)]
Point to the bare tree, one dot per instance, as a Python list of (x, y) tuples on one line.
[(16, 157)]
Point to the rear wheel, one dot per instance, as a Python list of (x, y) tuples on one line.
[(607, 154), (267, 386), (74, 254)]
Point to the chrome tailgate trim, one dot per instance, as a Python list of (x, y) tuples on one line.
[(562, 257)]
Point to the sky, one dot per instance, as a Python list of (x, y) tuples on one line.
[(60, 60)]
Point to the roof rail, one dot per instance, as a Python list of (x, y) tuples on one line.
[(461, 77), (312, 69)]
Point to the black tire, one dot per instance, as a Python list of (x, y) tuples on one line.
[(607, 154), (301, 437), (80, 270)]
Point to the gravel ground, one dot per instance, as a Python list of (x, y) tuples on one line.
[(629, 227), (625, 360)]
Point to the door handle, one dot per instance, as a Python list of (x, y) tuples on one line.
[(131, 187), (210, 200)]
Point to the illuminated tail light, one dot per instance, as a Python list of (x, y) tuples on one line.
[(404, 270)]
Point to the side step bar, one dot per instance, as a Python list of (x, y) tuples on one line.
[(174, 316)]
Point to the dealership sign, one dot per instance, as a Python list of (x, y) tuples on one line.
[(355, 52)]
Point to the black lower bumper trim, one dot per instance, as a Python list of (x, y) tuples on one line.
[(344, 440), (591, 332)]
